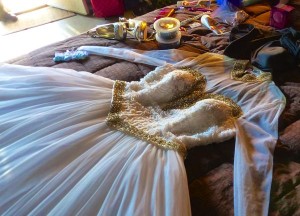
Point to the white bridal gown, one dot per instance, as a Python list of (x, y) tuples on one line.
[(72, 143)]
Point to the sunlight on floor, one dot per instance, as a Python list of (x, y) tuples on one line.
[(20, 6), (23, 42)]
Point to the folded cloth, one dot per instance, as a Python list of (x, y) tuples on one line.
[(245, 39), (241, 35)]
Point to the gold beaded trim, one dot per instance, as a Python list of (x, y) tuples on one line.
[(190, 100), (240, 73), (114, 121)]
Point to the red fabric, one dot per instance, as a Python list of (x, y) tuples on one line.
[(107, 8)]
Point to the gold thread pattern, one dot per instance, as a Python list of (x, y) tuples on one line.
[(114, 120), (120, 105), (240, 73)]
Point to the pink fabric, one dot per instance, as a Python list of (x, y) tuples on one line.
[(107, 8)]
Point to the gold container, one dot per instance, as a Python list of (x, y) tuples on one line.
[(114, 31)]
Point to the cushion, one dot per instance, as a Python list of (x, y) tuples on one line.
[(292, 109), (290, 137)]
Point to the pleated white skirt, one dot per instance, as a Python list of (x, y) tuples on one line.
[(58, 156)]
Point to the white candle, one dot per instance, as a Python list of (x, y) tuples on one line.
[(167, 28)]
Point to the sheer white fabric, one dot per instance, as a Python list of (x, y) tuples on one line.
[(256, 130), (58, 157)]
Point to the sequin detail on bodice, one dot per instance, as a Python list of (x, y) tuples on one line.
[(170, 109)]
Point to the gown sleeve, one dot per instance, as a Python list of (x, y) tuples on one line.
[(256, 137)]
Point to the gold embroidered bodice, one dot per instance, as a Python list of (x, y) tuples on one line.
[(170, 109)]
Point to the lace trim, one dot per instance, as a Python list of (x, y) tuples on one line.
[(114, 120), (240, 72)]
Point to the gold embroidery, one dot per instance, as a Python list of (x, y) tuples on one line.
[(194, 97), (119, 88), (241, 73), (114, 120), (120, 105)]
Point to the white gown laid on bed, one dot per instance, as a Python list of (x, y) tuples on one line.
[(58, 155)]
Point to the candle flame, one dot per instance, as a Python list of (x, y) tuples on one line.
[(168, 24)]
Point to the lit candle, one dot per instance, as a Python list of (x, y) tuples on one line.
[(167, 28), (167, 32), (169, 24)]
